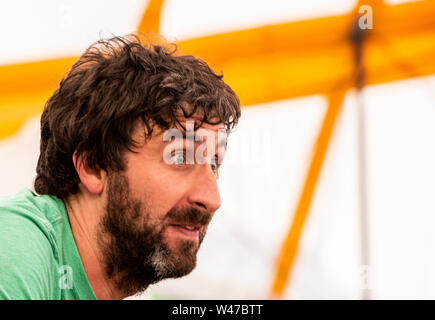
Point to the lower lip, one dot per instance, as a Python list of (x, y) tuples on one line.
[(192, 234)]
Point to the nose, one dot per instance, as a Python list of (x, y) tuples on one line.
[(204, 194)]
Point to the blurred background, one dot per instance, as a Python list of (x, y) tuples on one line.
[(328, 187)]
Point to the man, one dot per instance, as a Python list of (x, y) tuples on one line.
[(119, 203)]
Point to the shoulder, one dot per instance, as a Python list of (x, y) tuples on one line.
[(28, 254), (27, 213)]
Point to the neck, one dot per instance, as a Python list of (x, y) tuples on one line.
[(84, 212)]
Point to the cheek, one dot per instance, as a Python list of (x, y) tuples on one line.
[(156, 187)]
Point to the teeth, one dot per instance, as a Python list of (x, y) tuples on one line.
[(188, 227)]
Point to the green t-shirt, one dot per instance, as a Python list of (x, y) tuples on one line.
[(38, 255)]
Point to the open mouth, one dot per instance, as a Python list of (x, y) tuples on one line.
[(187, 230)]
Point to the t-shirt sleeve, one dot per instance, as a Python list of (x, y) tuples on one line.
[(27, 263)]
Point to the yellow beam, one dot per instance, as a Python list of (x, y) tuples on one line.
[(24, 89), (289, 248), (150, 21), (277, 61)]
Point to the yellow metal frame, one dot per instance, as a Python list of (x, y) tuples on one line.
[(291, 242)]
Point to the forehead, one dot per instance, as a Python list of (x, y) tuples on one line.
[(193, 129), (182, 124), (186, 112), (196, 122)]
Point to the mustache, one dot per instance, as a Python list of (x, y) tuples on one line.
[(189, 215)]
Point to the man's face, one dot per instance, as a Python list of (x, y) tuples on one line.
[(157, 212)]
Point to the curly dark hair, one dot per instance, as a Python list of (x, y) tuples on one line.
[(115, 83)]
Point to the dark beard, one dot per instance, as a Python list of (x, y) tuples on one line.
[(135, 253)]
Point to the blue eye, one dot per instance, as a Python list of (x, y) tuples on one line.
[(214, 167), (179, 158)]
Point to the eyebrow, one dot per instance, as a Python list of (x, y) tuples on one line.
[(222, 143)]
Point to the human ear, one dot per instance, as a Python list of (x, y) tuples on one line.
[(92, 179)]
